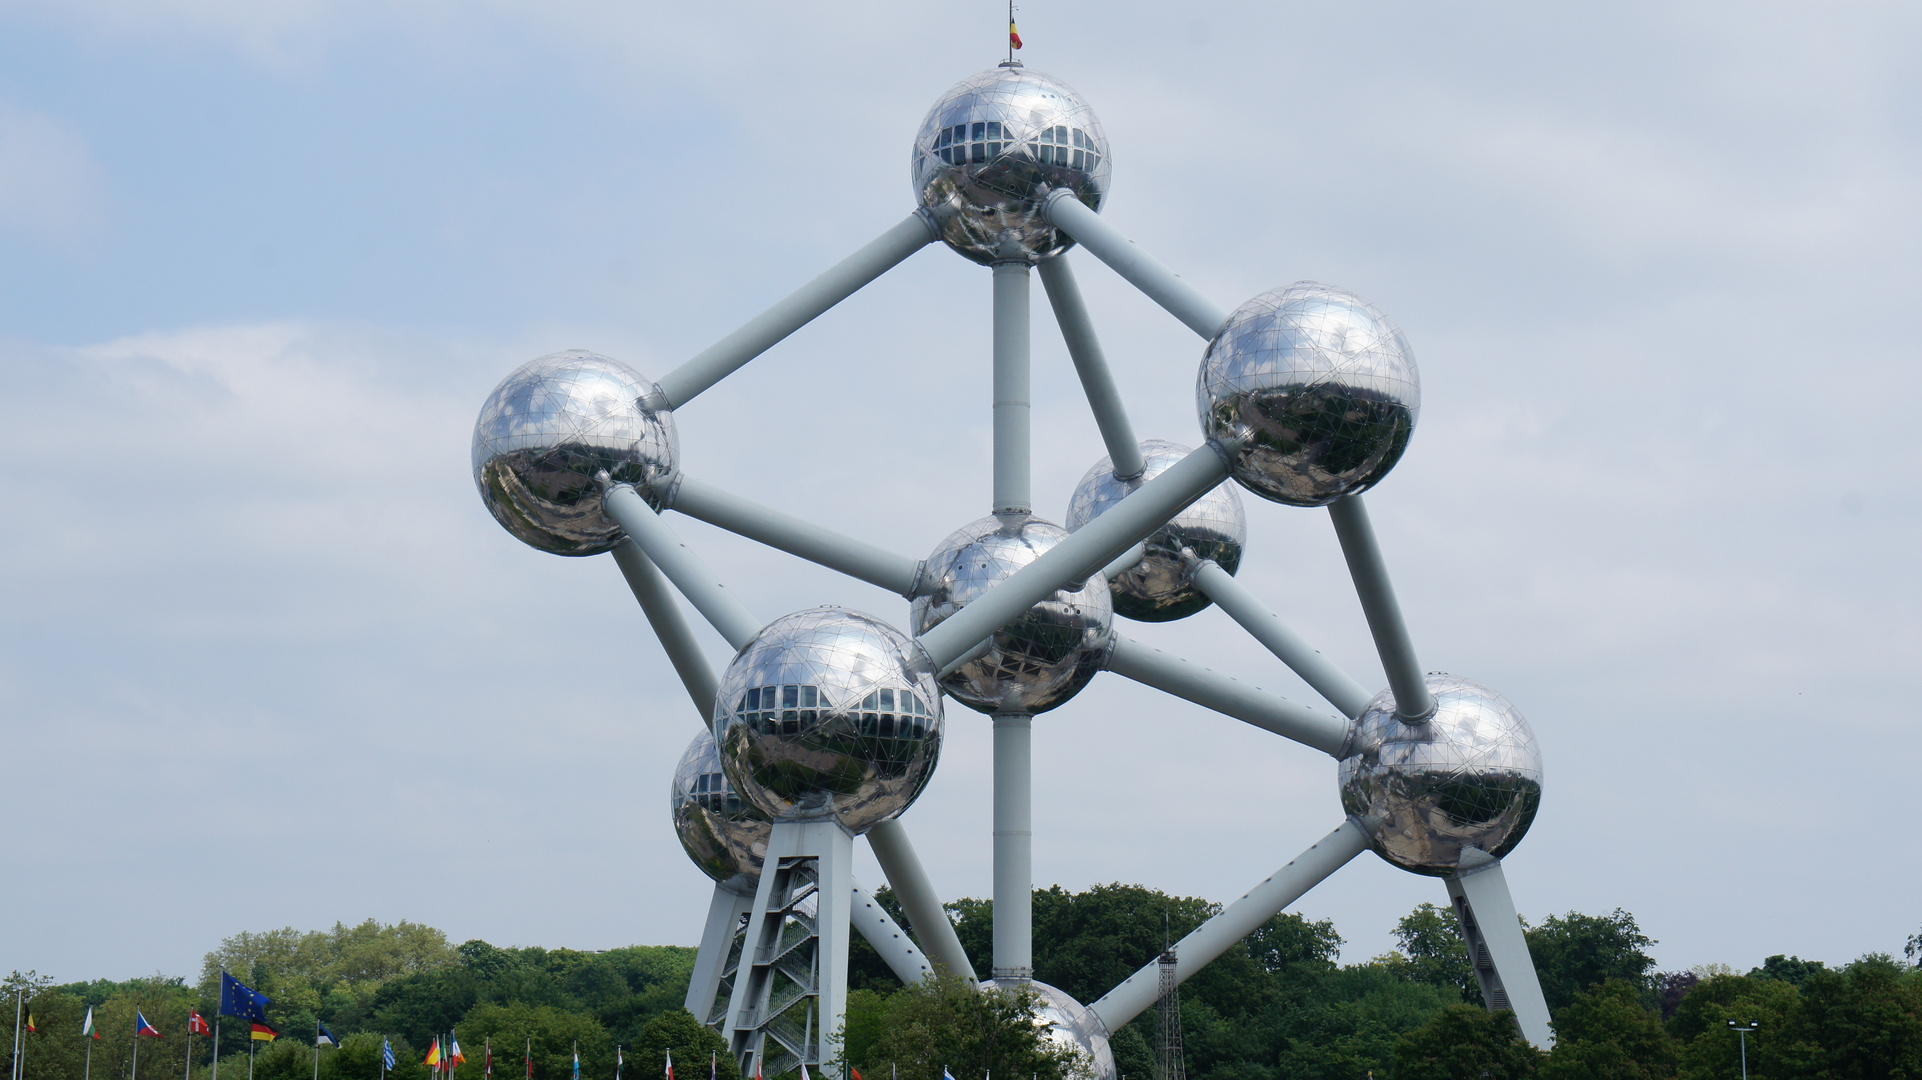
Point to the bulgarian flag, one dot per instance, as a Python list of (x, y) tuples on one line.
[(87, 1030)]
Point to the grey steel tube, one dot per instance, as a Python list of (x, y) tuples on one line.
[(889, 842), (897, 950), (1012, 409), (1170, 674), (1097, 382), (1266, 627), (682, 567), (1128, 560), (664, 615), (1092, 547), (760, 333), (1014, 846), (1236, 921), (1365, 566), (1142, 270), (785, 532)]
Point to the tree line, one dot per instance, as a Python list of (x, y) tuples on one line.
[(1279, 1006)]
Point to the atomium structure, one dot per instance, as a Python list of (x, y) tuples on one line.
[(827, 723)]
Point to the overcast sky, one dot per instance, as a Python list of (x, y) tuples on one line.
[(265, 660)]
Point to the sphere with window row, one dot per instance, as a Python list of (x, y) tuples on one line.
[(826, 714), (992, 147), (724, 834)]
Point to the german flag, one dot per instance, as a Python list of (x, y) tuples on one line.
[(263, 1033)]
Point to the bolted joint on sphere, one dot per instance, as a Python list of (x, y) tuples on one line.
[(1468, 776), (1310, 392), (992, 147), (1067, 1024), (1159, 588), (546, 433), (725, 835), (825, 713), (1042, 658)]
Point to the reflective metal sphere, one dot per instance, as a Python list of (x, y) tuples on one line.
[(823, 714), (545, 432), (1066, 1022), (1041, 659), (988, 151), (1313, 391), (724, 835), (1157, 588), (1468, 776)]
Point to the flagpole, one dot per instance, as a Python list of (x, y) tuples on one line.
[(217, 1043), (88, 1073), (136, 1055), (19, 1002), (316, 1048), (189, 1074)]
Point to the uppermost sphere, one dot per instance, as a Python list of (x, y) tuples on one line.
[(992, 147), (549, 429), (1310, 392)]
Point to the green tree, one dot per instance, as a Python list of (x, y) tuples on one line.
[(1790, 969), (947, 1023), (1609, 1033), (1575, 951), (1433, 952), (1345, 1022), (693, 1043), (1863, 1022), (1709, 1051), (1464, 1042), (325, 973), (552, 1033)]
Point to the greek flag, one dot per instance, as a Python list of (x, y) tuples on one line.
[(386, 1055)]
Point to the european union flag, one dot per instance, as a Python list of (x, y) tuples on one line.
[(239, 999)]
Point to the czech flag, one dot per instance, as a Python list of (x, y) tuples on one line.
[(1014, 36), (197, 1025), (141, 1027), (263, 1033)]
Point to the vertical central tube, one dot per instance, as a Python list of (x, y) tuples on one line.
[(1013, 846), (1011, 388)]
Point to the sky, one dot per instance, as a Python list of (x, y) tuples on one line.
[(265, 660)]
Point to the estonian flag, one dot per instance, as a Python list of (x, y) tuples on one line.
[(323, 1037), (141, 1027)]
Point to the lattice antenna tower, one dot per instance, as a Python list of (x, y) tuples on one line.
[(827, 723), (1171, 1060)]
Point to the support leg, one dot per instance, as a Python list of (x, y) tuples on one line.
[(790, 991), (724, 913), (1011, 405), (1014, 846), (1236, 921), (919, 901), (1479, 891), (897, 950)]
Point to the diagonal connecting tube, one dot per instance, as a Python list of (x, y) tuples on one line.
[(689, 574), (760, 333), (1236, 921), (1097, 382), (1266, 627), (1370, 573), (664, 615), (1142, 270), (919, 902), (1085, 551), (785, 532), (1252, 705)]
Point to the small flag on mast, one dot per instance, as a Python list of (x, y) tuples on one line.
[(577, 1061), (670, 1065), (263, 1033), (455, 1059), (488, 1064), (141, 1027), (239, 999), (433, 1054), (530, 1059), (86, 1028), (31, 1027), (323, 1037), (197, 1025), (1014, 35), (386, 1054)]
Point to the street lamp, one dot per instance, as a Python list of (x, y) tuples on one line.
[(1743, 1033)]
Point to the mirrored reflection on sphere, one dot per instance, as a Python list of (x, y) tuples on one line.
[(824, 714), (1066, 1023), (988, 151), (1041, 659), (1158, 589), (548, 429), (725, 835), (1469, 776), (1315, 391)]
